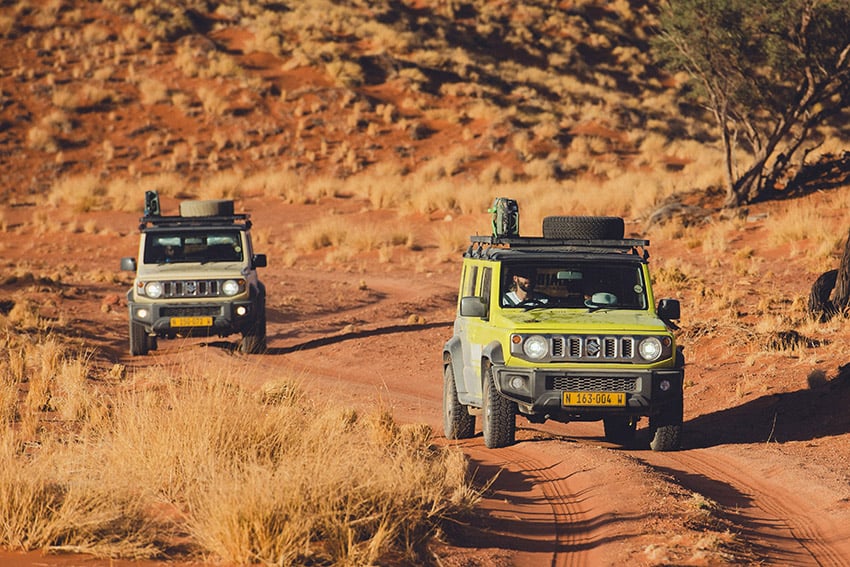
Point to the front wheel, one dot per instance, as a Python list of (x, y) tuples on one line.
[(665, 430), (457, 423), (499, 419), (254, 340), (140, 344)]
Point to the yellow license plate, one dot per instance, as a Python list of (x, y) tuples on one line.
[(594, 399), (191, 321)]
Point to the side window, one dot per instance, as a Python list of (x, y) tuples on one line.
[(486, 279), (469, 281)]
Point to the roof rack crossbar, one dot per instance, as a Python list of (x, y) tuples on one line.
[(539, 242), (158, 220), (485, 246)]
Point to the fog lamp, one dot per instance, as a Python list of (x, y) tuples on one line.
[(517, 383), (241, 310), (142, 313), (664, 385)]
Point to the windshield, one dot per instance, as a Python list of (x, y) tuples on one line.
[(193, 246), (574, 285)]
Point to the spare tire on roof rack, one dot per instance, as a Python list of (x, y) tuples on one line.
[(210, 208), (583, 228)]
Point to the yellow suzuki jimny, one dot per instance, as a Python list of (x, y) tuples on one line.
[(561, 327)]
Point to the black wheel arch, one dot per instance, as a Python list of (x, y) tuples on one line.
[(453, 354), (491, 355)]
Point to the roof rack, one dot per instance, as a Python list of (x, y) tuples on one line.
[(177, 221), (481, 244)]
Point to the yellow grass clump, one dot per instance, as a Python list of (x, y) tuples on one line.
[(237, 474)]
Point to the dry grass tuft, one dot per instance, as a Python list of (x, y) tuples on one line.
[(243, 476)]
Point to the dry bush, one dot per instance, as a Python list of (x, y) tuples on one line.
[(94, 96), (128, 193), (384, 186), (245, 476), (543, 169), (83, 193), (716, 237), (821, 225), (46, 135), (42, 139), (264, 38), (674, 275), (325, 232), (428, 195), (495, 173), (152, 91), (8, 25), (345, 73), (346, 238), (452, 238), (213, 102), (324, 186), (91, 193), (25, 315), (96, 33), (227, 185), (12, 373), (282, 183)]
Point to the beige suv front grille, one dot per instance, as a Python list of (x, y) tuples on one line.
[(191, 288)]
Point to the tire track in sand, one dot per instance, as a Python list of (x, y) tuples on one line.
[(539, 506), (785, 522)]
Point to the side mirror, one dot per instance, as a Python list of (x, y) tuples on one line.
[(669, 309), (472, 307), (259, 261), (128, 264)]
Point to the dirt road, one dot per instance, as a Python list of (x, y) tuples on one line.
[(560, 496), (563, 496)]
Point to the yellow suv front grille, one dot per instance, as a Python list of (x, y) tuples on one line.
[(593, 348)]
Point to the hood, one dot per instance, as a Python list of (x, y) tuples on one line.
[(579, 321), (191, 271)]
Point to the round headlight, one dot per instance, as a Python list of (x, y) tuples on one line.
[(535, 347), (230, 287), (650, 348), (153, 289)]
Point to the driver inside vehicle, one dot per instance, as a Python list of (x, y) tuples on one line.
[(521, 290)]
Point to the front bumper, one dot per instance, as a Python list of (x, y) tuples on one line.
[(541, 391), (171, 319)]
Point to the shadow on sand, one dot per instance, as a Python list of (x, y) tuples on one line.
[(802, 415)]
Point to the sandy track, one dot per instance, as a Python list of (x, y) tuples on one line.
[(786, 518), (563, 496)]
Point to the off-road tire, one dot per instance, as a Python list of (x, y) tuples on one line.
[(254, 340), (498, 421), (620, 430), (210, 208), (457, 423), (139, 341), (583, 228), (665, 430)]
